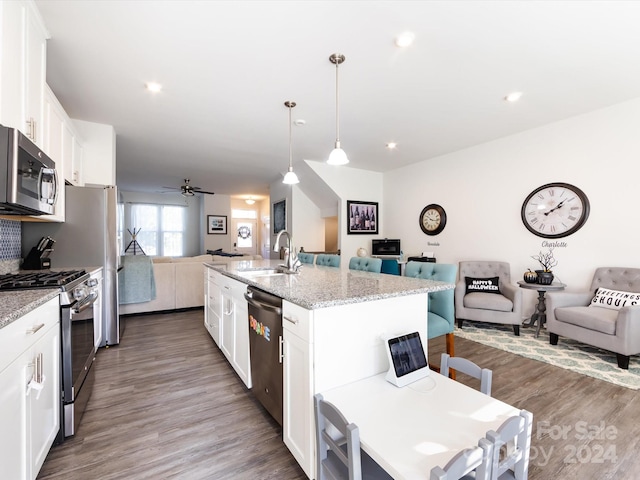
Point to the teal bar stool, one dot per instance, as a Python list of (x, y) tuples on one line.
[(365, 264), (441, 315), (306, 257), (328, 260)]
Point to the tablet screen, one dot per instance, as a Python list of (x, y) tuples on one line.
[(407, 354)]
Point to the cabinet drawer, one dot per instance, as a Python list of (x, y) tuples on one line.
[(19, 335), (297, 320), (213, 275)]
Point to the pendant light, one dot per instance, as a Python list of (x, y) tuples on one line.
[(290, 178), (337, 156)]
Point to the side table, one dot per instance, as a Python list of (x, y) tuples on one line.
[(540, 315)]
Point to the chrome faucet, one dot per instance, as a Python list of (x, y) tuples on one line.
[(292, 262)]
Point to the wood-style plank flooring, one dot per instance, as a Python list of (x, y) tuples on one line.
[(167, 405)]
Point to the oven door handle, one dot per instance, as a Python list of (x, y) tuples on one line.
[(85, 302)]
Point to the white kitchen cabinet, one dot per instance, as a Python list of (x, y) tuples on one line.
[(23, 68), (212, 305), (233, 321), (54, 120), (31, 415), (96, 153), (72, 169), (297, 396), (35, 72)]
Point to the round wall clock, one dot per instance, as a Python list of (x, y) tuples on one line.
[(432, 219), (555, 210)]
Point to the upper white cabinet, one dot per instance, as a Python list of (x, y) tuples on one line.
[(96, 153), (23, 68)]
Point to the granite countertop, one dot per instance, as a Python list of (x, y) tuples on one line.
[(320, 287), (17, 303)]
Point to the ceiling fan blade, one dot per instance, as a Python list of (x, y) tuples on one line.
[(202, 191)]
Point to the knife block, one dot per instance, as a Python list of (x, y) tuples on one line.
[(37, 260)]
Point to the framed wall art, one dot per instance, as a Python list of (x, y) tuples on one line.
[(362, 217), (279, 216), (217, 224)]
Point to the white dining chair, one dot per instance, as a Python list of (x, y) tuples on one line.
[(468, 367), (339, 457), (469, 464), (511, 446)]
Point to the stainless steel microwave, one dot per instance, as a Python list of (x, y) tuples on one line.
[(28, 178)]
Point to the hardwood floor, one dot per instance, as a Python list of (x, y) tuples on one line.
[(167, 405)]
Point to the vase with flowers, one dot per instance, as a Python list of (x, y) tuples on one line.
[(547, 261)]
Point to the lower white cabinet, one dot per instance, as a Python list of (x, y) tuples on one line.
[(297, 396), (29, 390), (227, 307), (212, 305)]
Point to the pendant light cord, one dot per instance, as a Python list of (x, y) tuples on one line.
[(290, 148), (337, 107)]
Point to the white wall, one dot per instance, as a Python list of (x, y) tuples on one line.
[(352, 184), (216, 205), (482, 190), (308, 224)]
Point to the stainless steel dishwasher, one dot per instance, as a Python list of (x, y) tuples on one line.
[(265, 349)]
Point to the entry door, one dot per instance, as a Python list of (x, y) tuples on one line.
[(245, 236)]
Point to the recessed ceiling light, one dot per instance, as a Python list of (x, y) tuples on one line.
[(391, 145), (300, 122), (153, 87), (513, 97), (405, 39)]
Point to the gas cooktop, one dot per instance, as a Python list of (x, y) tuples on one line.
[(39, 279)]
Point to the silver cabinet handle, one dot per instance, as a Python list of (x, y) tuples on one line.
[(292, 320), (280, 349), (34, 329)]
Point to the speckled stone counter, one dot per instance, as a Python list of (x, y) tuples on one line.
[(320, 287), (16, 303)]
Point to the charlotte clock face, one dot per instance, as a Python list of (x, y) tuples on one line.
[(432, 219), (555, 210)]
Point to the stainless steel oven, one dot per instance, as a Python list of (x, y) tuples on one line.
[(78, 352)]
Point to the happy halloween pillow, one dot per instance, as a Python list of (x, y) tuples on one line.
[(484, 285), (614, 299)]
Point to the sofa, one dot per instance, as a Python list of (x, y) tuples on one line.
[(179, 282)]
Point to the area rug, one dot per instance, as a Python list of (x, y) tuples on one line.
[(568, 354)]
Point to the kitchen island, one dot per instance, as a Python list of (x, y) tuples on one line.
[(335, 322)]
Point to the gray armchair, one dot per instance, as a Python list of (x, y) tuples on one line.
[(569, 315), (504, 307)]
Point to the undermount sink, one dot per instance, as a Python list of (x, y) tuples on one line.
[(260, 272)]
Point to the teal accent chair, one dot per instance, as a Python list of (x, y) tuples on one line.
[(441, 317), (306, 257), (366, 264), (328, 260)]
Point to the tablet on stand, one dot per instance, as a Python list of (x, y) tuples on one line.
[(407, 360)]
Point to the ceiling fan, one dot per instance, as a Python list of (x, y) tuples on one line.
[(187, 190)]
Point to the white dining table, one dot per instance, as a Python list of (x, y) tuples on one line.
[(409, 430)]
